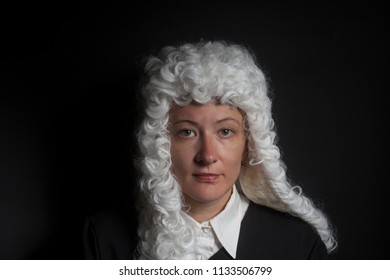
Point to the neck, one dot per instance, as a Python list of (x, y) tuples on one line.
[(205, 211)]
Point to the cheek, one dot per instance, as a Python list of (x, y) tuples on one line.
[(237, 154), (234, 165), (180, 160)]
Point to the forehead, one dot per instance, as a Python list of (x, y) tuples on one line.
[(196, 111)]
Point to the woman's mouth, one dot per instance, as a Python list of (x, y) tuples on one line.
[(206, 177)]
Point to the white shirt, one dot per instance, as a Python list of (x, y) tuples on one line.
[(221, 231)]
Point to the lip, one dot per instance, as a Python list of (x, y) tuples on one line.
[(206, 177)]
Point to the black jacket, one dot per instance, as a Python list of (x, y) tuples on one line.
[(265, 234)]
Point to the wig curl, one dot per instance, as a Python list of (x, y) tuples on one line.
[(202, 72)]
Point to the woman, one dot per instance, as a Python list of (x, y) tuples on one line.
[(212, 183)]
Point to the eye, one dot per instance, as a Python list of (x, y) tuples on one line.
[(186, 133), (225, 132)]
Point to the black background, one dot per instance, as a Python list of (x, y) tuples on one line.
[(68, 77)]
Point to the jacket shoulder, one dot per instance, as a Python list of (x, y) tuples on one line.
[(110, 234), (270, 234)]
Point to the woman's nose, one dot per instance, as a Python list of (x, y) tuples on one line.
[(207, 152)]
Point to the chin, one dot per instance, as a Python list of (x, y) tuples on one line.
[(207, 194)]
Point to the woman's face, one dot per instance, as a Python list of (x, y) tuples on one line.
[(207, 146)]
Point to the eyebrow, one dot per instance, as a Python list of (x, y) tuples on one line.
[(219, 121), (228, 119), (186, 121)]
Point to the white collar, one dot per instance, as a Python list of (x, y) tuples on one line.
[(227, 224)]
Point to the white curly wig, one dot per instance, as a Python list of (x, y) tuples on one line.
[(201, 72)]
